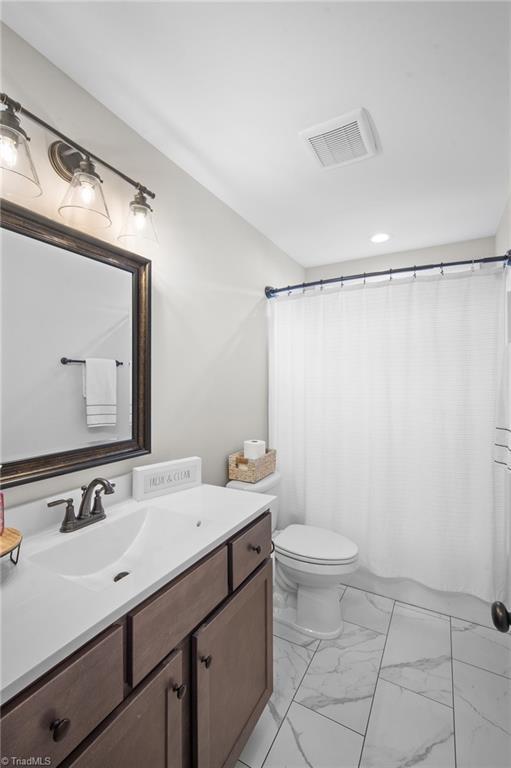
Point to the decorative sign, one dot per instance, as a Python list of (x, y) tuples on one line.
[(166, 477)]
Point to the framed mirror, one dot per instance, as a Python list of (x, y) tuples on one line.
[(75, 350)]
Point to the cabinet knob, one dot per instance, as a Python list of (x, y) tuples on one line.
[(501, 617), (206, 660), (180, 690), (59, 728), (253, 548)]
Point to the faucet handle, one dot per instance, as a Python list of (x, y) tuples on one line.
[(69, 502), (69, 522), (97, 508)]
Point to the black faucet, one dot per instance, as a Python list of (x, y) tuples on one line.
[(86, 514), (97, 512)]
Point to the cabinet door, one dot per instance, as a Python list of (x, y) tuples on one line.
[(147, 729), (233, 664)]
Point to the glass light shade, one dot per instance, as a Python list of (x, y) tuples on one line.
[(84, 204), (139, 224), (18, 177)]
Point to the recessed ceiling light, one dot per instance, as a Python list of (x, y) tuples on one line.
[(380, 237)]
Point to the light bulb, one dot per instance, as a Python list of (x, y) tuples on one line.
[(380, 237), (86, 192), (8, 151), (140, 220)]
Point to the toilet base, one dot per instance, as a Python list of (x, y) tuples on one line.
[(314, 614), (320, 609), (313, 633)]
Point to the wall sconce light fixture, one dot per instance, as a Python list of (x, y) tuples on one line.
[(139, 220), (84, 204), (18, 174)]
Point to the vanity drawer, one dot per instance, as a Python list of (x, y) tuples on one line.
[(83, 690), (157, 626), (248, 550)]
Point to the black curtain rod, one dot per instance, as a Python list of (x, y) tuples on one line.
[(5, 99), (270, 292)]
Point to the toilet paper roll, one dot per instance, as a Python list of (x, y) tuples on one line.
[(254, 449)]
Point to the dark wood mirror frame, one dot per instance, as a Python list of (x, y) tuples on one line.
[(30, 224)]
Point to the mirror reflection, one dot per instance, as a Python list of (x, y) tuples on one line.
[(55, 305)]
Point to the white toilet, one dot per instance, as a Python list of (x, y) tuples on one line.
[(310, 565)]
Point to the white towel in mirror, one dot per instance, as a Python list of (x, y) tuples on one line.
[(100, 391)]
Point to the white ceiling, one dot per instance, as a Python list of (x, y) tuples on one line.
[(225, 89)]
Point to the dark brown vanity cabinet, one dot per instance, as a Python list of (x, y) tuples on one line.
[(148, 728), (233, 669), (179, 681)]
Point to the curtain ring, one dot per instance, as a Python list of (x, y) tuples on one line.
[(321, 285), (342, 281), (472, 268), (442, 269), (390, 274), (364, 278), (415, 272)]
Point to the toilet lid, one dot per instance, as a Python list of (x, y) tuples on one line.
[(307, 542)]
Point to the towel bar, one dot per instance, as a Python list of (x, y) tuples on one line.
[(66, 360)]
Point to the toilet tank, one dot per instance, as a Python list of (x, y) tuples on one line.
[(270, 485)]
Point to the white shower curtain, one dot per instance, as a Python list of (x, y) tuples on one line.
[(384, 400)]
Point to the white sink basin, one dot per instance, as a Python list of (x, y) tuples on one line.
[(95, 555)]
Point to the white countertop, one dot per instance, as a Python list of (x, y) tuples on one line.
[(47, 616)]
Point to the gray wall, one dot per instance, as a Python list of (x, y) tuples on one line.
[(209, 312), (468, 249), (503, 236)]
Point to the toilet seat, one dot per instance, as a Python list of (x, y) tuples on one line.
[(325, 569), (316, 546)]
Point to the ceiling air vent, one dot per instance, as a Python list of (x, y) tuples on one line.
[(342, 140)]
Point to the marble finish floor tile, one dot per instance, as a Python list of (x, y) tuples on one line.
[(406, 729), (260, 740), (324, 692), (482, 647), (290, 662), (366, 610), (342, 676), (418, 653), (308, 740), (482, 706)]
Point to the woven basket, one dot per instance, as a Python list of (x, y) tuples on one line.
[(251, 470)]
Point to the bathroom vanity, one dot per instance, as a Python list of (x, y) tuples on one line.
[(181, 674)]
